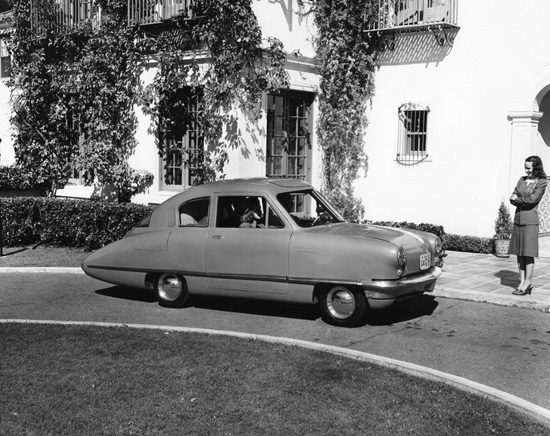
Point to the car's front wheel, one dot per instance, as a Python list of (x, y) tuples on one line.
[(171, 290), (343, 306)]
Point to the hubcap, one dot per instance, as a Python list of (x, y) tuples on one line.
[(169, 287), (340, 302)]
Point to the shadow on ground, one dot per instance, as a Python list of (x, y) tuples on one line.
[(508, 278), (423, 305), (128, 294), (404, 311)]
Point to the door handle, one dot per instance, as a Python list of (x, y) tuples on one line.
[(217, 237)]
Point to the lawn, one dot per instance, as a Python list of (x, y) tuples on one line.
[(42, 256), (92, 380)]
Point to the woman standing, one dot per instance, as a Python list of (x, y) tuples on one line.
[(525, 236)]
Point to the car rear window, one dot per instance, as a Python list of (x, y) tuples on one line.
[(194, 213)]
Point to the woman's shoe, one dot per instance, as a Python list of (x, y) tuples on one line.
[(526, 291)]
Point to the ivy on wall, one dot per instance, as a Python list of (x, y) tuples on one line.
[(72, 97), (346, 62), (241, 67), (74, 92)]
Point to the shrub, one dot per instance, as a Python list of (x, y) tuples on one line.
[(66, 223), (93, 224), (13, 178), (503, 223), (470, 244)]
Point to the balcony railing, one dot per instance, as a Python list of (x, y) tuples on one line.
[(406, 15), (156, 11), (61, 15), (58, 16)]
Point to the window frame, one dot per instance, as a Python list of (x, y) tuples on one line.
[(5, 60), (208, 199), (269, 212), (183, 146), (412, 142), (288, 134)]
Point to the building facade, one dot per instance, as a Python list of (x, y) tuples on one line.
[(461, 100), (451, 125)]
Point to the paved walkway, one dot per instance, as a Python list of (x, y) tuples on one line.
[(491, 279)]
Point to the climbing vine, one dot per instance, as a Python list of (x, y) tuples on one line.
[(346, 62), (241, 67), (72, 95), (74, 92)]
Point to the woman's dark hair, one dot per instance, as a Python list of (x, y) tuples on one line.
[(538, 169)]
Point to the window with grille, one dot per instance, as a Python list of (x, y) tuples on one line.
[(288, 149), (5, 61), (183, 142), (413, 133)]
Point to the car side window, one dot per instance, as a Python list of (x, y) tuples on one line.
[(246, 212), (194, 213)]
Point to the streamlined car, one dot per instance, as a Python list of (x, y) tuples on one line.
[(269, 239)]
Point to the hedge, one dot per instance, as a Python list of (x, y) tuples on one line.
[(452, 242), (92, 224), (470, 244), (66, 223), (13, 178)]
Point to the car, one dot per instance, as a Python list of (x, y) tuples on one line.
[(274, 239)]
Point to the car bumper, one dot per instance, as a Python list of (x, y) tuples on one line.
[(383, 293)]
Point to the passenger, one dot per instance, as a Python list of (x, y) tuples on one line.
[(251, 214)]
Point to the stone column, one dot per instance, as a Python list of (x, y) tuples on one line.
[(523, 142)]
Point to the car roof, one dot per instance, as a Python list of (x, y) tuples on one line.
[(263, 184), (271, 186), (258, 185)]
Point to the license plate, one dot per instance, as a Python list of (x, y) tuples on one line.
[(425, 261)]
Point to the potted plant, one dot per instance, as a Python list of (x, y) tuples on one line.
[(503, 231)]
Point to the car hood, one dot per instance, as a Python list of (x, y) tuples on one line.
[(393, 235)]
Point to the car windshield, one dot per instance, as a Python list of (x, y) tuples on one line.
[(309, 208)]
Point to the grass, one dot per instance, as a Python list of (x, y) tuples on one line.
[(42, 256), (91, 380)]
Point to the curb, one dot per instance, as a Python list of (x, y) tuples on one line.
[(537, 412), (41, 269), (500, 300)]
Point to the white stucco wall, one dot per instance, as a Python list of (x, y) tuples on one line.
[(498, 61)]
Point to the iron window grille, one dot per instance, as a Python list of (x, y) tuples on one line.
[(412, 145), (182, 140), (5, 60)]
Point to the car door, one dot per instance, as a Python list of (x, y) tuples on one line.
[(248, 255), (187, 241)]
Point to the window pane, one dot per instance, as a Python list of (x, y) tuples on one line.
[(288, 134), (5, 66), (182, 135), (195, 213)]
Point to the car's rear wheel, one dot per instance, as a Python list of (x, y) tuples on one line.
[(171, 290), (343, 306)]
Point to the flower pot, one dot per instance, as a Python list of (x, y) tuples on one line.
[(501, 247)]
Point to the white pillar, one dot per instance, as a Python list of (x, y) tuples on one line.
[(523, 142)]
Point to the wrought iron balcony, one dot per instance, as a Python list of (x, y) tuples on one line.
[(59, 16), (143, 12), (405, 16)]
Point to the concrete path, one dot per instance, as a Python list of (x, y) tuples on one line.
[(487, 278)]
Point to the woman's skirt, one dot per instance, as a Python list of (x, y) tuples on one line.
[(525, 241)]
